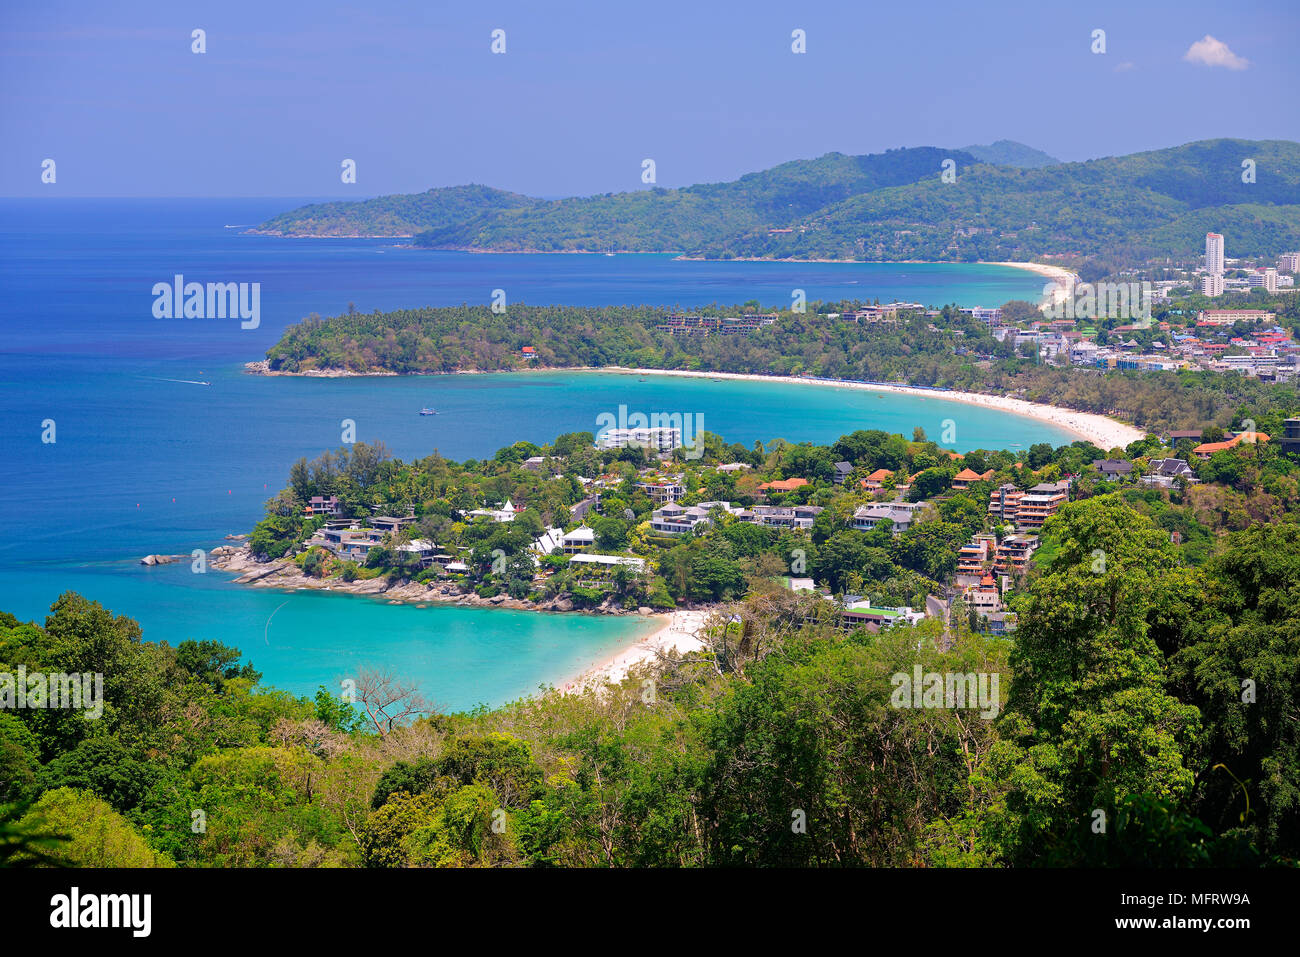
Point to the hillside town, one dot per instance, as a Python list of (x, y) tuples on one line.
[(884, 530)]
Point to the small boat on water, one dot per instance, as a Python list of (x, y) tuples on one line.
[(428, 411)]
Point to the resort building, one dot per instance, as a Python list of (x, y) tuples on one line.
[(876, 480), (356, 549), (857, 610), (704, 325), (1040, 503), (1013, 554), (783, 485), (324, 505), (971, 557), (1112, 470), (1289, 440), (391, 525), (902, 514), (337, 540), (777, 516), (842, 471), (1004, 503), (1166, 472), (550, 540), (984, 597), (749, 323), (963, 479), (610, 561), (798, 584), (1230, 317), (1265, 278), (1206, 449), (506, 513), (676, 520), (421, 548), (578, 540), (661, 491), (656, 438)]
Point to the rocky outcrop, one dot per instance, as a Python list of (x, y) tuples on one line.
[(284, 573), (162, 559)]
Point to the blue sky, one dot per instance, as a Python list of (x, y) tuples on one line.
[(585, 91)]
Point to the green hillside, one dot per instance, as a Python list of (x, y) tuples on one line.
[(1011, 153), (398, 215), (887, 206)]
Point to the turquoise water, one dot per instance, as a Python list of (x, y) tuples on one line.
[(146, 461), (302, 640)]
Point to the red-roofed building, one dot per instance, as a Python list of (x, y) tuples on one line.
[(1206, 449), (876, 480), (784, 485), (964, 478)]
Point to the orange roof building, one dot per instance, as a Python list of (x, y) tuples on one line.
[(784, 485), (876, 480), (964, 478), (1206, 449)]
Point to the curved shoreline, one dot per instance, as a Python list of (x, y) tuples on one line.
[(1103, 431), (675, 632), (677, 635)]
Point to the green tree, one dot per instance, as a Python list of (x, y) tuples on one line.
[(96, 835)]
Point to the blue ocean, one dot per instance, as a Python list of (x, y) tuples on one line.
[(148, 458)]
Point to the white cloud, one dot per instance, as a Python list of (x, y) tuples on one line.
[(1211, 52), (1124, 67)]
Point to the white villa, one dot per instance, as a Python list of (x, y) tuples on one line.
[(506, 513)]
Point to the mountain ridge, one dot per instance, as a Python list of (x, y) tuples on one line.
[(886, 206)]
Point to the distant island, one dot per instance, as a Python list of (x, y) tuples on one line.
[(1007, 202)]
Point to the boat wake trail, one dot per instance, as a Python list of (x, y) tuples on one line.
[(183, 381)]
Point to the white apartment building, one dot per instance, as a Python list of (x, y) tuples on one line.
[(1212, 284), (659, 438), (1214, 253), (1288, 262), (1266, 278)]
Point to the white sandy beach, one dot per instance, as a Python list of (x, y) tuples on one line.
[(1104, 432), (678, 633), (1063, 281)]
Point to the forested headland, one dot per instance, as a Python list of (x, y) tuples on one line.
[(949, 350)]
